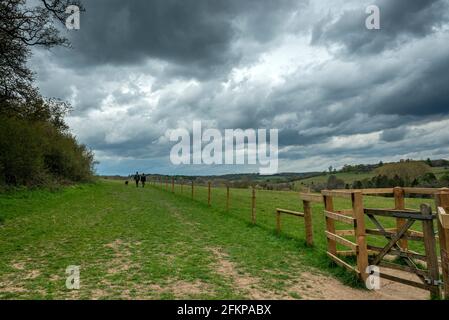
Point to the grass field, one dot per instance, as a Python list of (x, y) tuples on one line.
[(152, 244), (345, 176)]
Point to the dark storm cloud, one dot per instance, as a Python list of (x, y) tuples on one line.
[(139, 68), (425, 94), (401, 20), (196, 36), (391, 135)]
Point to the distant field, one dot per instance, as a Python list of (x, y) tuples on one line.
[(152, 244), (440, 171), (351, 177), (346, 177)]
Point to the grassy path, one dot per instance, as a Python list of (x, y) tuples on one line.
[(150, 244)]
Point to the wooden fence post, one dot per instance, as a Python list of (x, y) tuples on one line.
[(227, 197), (399, 204), (208, 193), (308, 222), (360, 234), (166, 183), (330, 225), (173, 185), (193, 190), (253, 206), (182, 186), (278, 222), (431, 253), (442, 200)]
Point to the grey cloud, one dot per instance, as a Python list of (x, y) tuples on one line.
[(157, 64), (401, 20), (391, 135), (194, 36)]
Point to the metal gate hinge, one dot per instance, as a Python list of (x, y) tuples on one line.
[(434, 282)]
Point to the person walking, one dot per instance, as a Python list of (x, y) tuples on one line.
[(137, 179), (143, 179)]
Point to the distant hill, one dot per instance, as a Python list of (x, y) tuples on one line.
[(348, 175), (428, 173)]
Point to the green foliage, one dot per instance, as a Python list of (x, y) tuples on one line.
[(334, 183), (36, 153), (444, 180), (35, 147), (20, 151), (360, 168)]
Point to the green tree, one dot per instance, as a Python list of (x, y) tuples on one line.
[(35, 146), (334, 183), (444, 180)]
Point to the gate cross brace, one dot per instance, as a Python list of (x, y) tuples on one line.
[(408, 260), (393, 241)]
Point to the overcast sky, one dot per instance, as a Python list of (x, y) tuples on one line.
[(338, 93)]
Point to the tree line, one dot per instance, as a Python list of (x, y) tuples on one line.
[(406, 173), (36, 146)]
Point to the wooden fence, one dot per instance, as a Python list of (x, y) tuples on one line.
[(208, 185), (368, 254), (307, 199), (355, 238)]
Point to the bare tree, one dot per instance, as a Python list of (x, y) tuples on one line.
[(22, 26)]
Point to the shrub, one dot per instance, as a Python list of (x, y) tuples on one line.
[(444, 180), (334, 183), (37, 153)]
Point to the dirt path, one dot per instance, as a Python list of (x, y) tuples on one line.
[(314, 286), (308, 285), (328, 288)]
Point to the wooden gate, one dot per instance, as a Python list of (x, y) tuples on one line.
[(425, 264), (428, 274)]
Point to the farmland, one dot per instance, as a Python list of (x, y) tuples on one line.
[(350, 177), (151, 244)]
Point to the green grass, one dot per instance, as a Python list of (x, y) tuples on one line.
[(152, 244), (440, 171), (345, 176)]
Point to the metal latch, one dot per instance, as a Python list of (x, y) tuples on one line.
[(434, 282)]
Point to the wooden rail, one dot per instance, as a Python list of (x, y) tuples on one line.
[(307, 220), (342, 263), (290, 212), (339, 217), (404, 214), (377, 191), (311, 197), (443, 216), (337, 193), (355, 217), (344, 242), (442, 201), (410, 235)]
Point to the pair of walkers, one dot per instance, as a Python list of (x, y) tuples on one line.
[(142, 178)]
